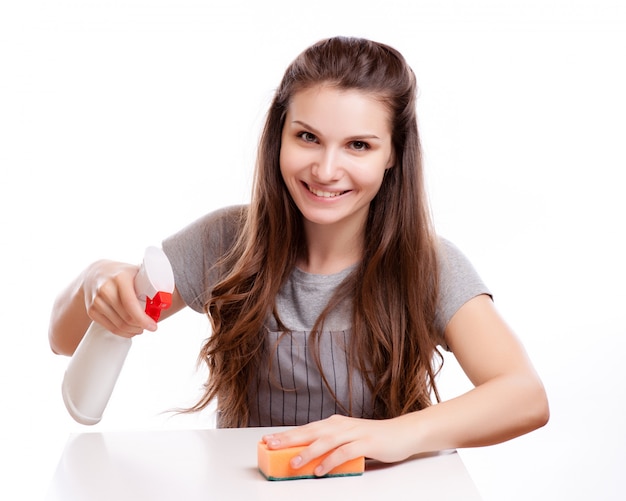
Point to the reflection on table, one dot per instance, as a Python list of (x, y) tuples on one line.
[(191, 465)]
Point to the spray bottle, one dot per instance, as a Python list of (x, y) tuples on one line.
[(96, 364)]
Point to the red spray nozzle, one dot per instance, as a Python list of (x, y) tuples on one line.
[(160, 301)]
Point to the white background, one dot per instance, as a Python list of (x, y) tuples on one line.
[(122, 121)]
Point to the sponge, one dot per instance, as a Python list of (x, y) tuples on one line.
[(274, 464)]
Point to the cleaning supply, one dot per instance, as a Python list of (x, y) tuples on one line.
[(274, 464), (96, 364)]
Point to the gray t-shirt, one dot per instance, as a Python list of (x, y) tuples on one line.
[(289, 389)]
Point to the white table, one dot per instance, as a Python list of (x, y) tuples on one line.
[(194, 465)]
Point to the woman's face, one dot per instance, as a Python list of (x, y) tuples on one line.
[(336, 146)]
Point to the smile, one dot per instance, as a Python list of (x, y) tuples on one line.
[(325, 194)]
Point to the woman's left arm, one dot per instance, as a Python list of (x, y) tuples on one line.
[(508, 400)]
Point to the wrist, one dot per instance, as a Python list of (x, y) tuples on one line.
[(419, 434)]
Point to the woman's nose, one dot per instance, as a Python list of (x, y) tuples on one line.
[(327, 168)]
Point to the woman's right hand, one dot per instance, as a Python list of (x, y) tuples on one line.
[(110, 299), (105, 293)]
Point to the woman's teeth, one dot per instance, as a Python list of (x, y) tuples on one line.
[(325, 194)]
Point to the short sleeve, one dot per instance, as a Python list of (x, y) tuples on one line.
[(458, 283), (195, 250)]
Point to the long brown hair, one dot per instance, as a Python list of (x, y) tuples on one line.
[(393, 290)]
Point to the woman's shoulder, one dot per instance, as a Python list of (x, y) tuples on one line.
[(456, 271), (232, 215), (209, 237), (450, 256)]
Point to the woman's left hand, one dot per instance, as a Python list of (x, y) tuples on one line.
[(345, 438)]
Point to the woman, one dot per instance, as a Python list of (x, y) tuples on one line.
[(330, 293)]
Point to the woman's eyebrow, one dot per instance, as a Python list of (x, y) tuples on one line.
[(305, 125)]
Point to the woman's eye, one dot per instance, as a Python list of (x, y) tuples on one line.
[(307, 137), (360, 145)]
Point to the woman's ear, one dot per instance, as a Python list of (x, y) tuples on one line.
[(392, 160)]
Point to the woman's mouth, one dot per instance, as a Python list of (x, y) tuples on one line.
[(323, 193)]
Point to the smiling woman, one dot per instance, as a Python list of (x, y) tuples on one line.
[(335, 149), (330, 294)]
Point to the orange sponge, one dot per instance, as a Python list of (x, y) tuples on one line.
[(274, 464)]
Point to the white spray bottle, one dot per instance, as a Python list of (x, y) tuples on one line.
[(96, 364)]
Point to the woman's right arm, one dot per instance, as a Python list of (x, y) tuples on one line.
[(104, 292)]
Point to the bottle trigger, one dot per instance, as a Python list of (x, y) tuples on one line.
[(161, 301)]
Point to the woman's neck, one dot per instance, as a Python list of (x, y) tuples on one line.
[(330, 249)]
